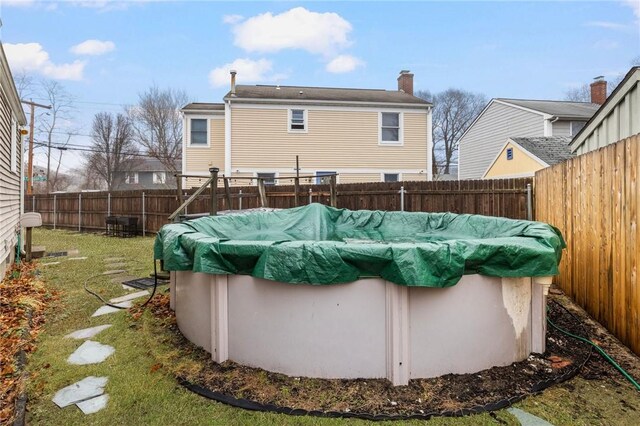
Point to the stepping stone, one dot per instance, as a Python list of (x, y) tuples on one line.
[(89, 387), (126, 287), (90, 352), (93, 405), (87, 333), (77, 258), (116, 265), (113, 272), (113, 259), (50, 264), (73, 252), (130, 296), (103, 310), (527, 419)]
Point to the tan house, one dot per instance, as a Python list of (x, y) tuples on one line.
[(522, 157), (363, 135), (11, 183)]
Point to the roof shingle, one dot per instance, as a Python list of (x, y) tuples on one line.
[(562, 109), (551, 150)]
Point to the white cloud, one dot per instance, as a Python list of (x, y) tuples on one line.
[(232, 19), (298, 28), (343, 64), (635, 5), (31, 57), (607, 25), (93, 47), (18, 3), (249, 71)]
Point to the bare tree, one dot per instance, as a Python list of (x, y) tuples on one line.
[(583, 93), (158, 124), (24, 84), (51, 123), (453, 112), (113, 147)]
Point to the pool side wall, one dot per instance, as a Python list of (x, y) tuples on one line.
[(369, 328)]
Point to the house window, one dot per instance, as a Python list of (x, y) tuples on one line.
[(14, 145), (131, 178), (269, 178), (390, 127), (391, 177), (199, 131), (324, 178), (509, 153), (297, 120), (159, 178), (576, 126)]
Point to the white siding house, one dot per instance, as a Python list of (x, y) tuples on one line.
[(618, 118), (11, 119), (506, 118)]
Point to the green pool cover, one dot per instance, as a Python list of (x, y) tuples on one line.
[(317, 244)]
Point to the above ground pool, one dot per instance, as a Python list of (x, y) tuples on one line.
[(321, 292)]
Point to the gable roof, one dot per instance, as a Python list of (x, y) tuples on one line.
[(561, 109), (202, 107), (626, 85), (552, 150), (9, 87), (324, 94), (149, 165)]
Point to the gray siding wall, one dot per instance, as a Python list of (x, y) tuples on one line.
[(9, 185), (482, 143), (621, 122), (561, 128)]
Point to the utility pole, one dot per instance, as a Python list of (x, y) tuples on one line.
[(33, 106)]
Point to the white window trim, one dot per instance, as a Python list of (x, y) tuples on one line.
[(400, 141), (159, 181), (14, 144), (305, 118), (135, 178), (188, 126), (255, 175), (390, 173)]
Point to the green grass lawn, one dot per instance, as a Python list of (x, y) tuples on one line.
[(142, 394)]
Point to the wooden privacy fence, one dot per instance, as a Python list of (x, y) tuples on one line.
[(593, 199), (88, 210)]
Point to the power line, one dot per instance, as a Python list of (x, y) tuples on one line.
[(88, 149)]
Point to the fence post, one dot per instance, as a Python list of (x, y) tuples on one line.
[(80, 212), (240, 200), (144, 216), (108, 204), (296, 189), (186, 208), (33, 203), (213, 210), (333, 193), (54, 211), (402, 198), (227, 192), (310, 196), (529, 203)]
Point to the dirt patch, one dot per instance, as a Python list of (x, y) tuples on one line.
[(447, 393)]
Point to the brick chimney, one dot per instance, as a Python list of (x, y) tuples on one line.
[(598, 90), (405, 82)]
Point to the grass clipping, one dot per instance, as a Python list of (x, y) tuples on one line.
[(23, 300)]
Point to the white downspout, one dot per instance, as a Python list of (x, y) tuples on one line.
[(429, 144), (227, 138), (184, 148)]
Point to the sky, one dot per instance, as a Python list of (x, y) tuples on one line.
[(105, 53)]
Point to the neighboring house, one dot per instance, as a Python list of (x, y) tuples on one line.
[(522, 157), (145, 174), (363, 135), (506, 118), (11, 183), (617, 118)]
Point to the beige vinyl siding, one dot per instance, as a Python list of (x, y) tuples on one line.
[(522, 164), (622, 121), (334, 139), (200, 159), (408, 177), (561, 128), (482, 142), (9, 184)]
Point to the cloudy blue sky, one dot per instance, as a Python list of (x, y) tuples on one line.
[(106, 52)]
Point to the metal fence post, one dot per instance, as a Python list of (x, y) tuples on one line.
[(310, 196), (54, 211), (33, 203), (144, 216), (529, 202), (240, 199), (79, 212), (213, 210), (108, 204), (402, 198)]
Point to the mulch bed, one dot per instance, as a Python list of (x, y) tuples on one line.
[(446, 394), (23, 299)]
